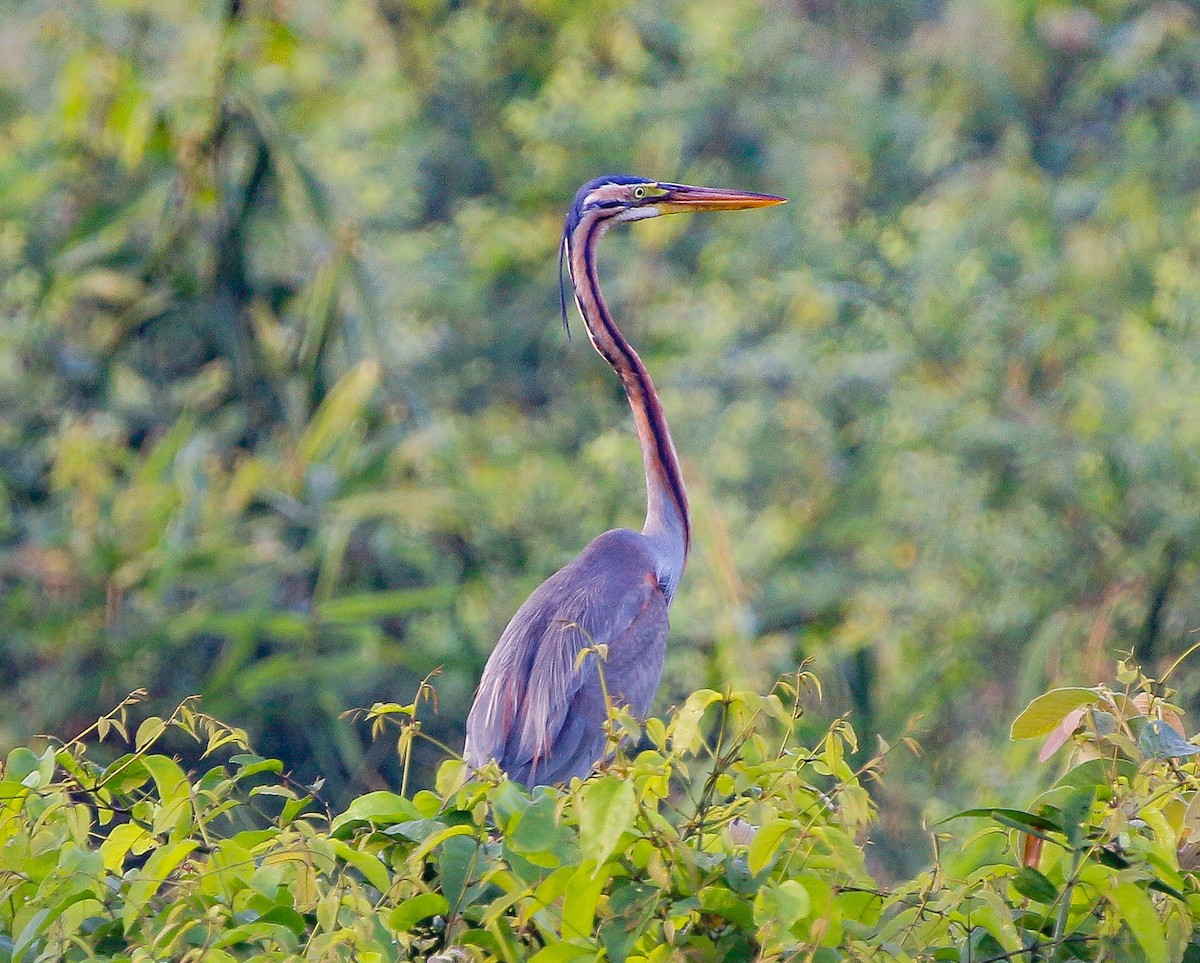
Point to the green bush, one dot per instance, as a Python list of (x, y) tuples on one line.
[(723, 838)]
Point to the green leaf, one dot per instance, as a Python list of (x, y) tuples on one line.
[(342, 407), (148, 732), (380, 808), (1074, 812), (685, 729), (124, 774), (1043, 715), (251, 765), (409, 913), (535, 830), (606, 811), (458, 863), (121, 840), (169, 779), (996, 916), (366, 863), (579, 902), (435, 839), (1013, 818), (30, 931), (21, 763), (783, 905), (161, 864), (1034, 885), (562, 953), (287, 917), (1135, 908), (724, 902), (765, 843), (1098, 773)]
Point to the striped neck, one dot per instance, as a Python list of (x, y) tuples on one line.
[(668, 520)]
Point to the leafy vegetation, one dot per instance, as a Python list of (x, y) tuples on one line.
[(289, 421), (725, 838)]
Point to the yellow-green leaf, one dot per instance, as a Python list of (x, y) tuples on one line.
[(1043, 714), (606, 811), (161, 864), (685, 730), (765, 843), (409, 913), (783, 905), (1135, 908)]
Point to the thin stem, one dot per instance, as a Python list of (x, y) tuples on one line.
[(1064, 911)]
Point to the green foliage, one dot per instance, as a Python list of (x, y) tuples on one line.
[(289, 420), (724, 838)]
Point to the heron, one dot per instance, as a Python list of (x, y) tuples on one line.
[(540, 709)]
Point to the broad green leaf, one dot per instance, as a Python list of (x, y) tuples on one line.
[(997, 918), (535, 830), (563, 953), (285, 916), (630, 909), (435, 839), (161, 864), (1136, 910), (366, 863), (148, 732), (169, 779), (251, 765), (1044, 714), (1100, 774), (1013, 818), (606, 810), (765, 844), (724, 902), (1074, 813), (121, 840), (21, 763), (459, 862), (173, 817), (124, 774), (409, 913), (782, 905), (579, 902), (1033, 884), (685, 728), (37, 924), (380, 808)]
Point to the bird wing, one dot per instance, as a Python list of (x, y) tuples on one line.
[(539, 704)]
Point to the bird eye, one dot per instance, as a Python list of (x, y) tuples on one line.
[(639, 193)]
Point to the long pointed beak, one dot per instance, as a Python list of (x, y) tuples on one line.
[(681, 198)]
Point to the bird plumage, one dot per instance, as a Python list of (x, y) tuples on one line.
[(538, 714), (540, 710)]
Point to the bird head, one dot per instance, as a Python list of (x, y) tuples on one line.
[(615, 198)]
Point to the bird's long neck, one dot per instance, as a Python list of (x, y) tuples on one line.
[(668, 520)]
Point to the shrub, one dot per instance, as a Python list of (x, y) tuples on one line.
[(720, 838)]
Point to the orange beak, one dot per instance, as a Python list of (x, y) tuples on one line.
[(681, 198)]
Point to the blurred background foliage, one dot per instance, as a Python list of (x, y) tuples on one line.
[(289, 421)]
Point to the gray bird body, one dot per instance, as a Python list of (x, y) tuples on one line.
[(537, 714), (540, 711)]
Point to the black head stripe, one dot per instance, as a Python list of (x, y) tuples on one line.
[(563, 250), (574, 216)]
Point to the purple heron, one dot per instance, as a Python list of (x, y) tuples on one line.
[(540, 710)]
